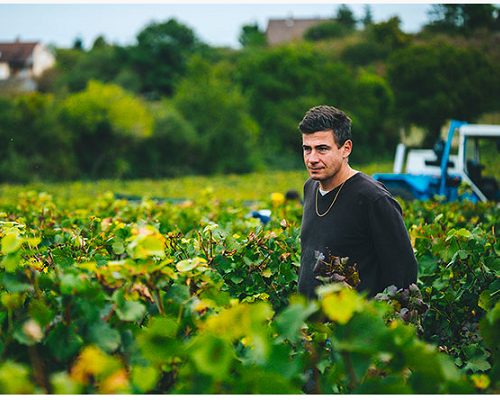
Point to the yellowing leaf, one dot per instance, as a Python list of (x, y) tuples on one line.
[(153, 245), (62, 384), (481, 381), (144, 378), (89, 266), (267, 273), (116, 383), (11, 243), (33, 242), (240, 320), (190, 264), (210, 227), (340, 306), (146, 246), (94, 362), (15, 379)]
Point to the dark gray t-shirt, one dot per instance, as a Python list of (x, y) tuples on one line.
[(364, 224)]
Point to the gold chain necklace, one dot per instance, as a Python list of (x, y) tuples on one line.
[(326, 212)]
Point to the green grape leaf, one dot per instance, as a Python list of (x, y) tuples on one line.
[(107, 338)]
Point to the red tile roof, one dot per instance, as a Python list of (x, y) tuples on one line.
[(285, 30), (16, 52)]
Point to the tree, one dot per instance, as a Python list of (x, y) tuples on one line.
[(282, 83), (343, 24), (172, 149), (435, 82), (478, 16), (345, 17), (367, 19), (279, 83), (380, 40), (389, 34), (65, 80), (363, 52), (106, 122), (99, 42), (372, 103), (102, 63), (34, 144), (78, 44), (161, 54), (325, 30), (252, 36), (461, 18), (218, 111), (496, 24)]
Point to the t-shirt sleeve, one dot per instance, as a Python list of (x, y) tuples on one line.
[(392, 243)]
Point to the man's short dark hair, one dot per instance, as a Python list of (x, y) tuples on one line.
[(325, 118)]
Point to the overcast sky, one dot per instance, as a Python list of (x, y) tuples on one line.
[(215, 24)]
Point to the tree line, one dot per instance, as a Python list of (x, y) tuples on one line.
[(170, 104)]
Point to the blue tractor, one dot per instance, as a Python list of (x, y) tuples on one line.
[(437, 172)]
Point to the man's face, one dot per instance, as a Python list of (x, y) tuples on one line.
[(322, 157)]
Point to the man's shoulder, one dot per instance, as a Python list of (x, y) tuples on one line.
[(369, 188), (309, 185)]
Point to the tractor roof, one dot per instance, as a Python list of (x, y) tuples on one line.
[(480, 130)]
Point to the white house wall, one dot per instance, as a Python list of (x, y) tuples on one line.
[(42, 60), (4, 71)]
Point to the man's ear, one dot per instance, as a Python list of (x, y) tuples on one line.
[(347, 148)]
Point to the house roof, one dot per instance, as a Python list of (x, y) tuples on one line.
[(285, 30), (16, 52)]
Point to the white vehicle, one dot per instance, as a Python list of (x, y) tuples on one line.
[(437, 172)]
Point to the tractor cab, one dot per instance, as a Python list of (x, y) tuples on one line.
[(479, 151), (437, 172)]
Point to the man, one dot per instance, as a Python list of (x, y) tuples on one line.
[(347, 213)]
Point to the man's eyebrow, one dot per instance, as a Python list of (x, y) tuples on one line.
[(318, 145)]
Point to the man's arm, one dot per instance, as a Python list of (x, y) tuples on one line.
[(392, 243)]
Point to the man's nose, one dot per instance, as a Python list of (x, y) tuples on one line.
[(313, 157)]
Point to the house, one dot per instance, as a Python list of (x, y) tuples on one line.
[(22, 62), (281, 31)]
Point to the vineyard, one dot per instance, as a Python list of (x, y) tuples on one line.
[(102, 293)]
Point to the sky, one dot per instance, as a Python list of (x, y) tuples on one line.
[(218, 24)]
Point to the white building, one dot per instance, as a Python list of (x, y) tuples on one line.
[(23, 62), (281, 31)]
